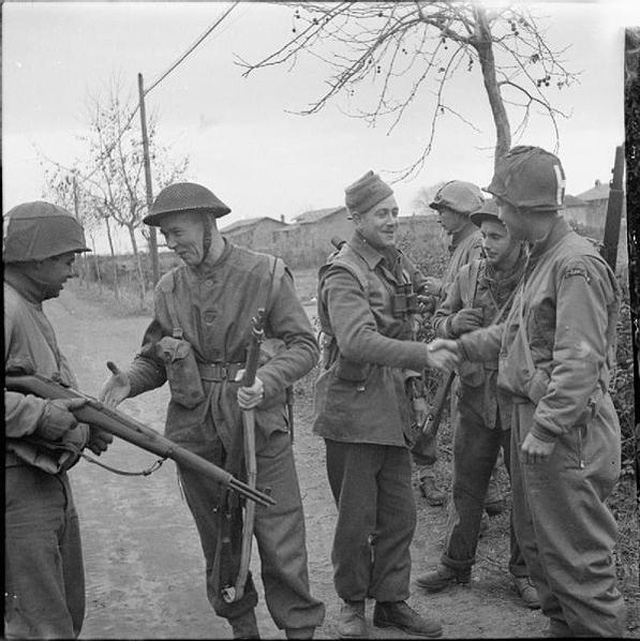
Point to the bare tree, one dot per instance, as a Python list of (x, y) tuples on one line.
[(427, 42), (113, 178)]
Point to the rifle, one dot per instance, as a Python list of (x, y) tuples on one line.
[(128, 429), (434, 417), (614, 211), (229, 593)]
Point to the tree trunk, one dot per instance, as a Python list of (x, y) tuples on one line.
[(483, 44), (139, 272), (114, 260)]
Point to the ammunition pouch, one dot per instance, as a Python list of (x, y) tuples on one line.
[(182, 371), (404, 301)]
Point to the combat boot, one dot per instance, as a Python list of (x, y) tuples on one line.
[(442, 577), (431, 492), (352, 624), (397, 614)]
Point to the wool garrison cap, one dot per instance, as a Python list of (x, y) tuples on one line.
[(366, 193)]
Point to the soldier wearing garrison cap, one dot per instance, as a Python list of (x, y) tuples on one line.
[(44, 571), (556, 349), (366, 303), (204, 309)]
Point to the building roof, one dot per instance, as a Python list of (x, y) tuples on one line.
[(315, 215), (600, 191), (573, 201), (248, 222)]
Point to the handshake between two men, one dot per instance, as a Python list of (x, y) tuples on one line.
[(443, 354)]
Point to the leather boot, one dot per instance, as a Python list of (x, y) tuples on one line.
[(352, 624), (527, 591), (399, 615), (442, 577), (431, 492)]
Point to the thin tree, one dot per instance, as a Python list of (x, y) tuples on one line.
[(380, 44)]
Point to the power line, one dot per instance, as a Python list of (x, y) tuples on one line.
[(108, 151)]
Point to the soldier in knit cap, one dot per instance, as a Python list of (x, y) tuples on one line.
[(366, 300)]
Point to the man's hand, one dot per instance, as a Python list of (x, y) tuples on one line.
[(58, 418), (534, 450), (250, 397), (466, 320), (116, 388), (99, 440), (443, 354), (432, 286)]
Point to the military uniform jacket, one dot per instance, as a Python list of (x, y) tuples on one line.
[(466, 245), (215, 303), (478, 286), (557, 345), (360, 397)]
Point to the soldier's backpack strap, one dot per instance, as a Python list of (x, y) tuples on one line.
[(167, 285)]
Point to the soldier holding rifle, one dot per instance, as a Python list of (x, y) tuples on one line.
[(44, 571), (198, 341)]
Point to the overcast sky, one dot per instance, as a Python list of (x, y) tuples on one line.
[(242, 142)]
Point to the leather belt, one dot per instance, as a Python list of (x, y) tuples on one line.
[(218, 372)]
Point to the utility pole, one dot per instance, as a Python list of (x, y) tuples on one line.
[(153, 243), (614, 210)]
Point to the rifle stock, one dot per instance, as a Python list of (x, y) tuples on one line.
[(128, 429), (432, 422)]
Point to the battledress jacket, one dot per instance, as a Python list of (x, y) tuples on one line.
[(361, 397), (215, 303), (557, 346)]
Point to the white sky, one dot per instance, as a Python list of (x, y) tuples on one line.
[(243, 145)]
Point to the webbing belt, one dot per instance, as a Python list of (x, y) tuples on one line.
[(218, 372)]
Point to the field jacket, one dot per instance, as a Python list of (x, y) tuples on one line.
[(215, 303), (29, 342), (557, 346), (360, 396)]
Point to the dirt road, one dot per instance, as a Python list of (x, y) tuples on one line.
[(145, 571)]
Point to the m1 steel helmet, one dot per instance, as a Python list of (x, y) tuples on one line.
[(40, 230), (463, 197), (488, 211), (529, 178), (185, 197)]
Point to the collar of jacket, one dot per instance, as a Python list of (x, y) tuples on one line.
[(558, 231), (26, 287), (208, 265), (458, 236), (370, 254)]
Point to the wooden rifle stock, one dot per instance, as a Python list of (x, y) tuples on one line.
[(432, 422), (94, 412)]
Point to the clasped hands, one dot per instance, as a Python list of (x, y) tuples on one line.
[(443, 354)]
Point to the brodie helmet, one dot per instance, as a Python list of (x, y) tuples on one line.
[(463, 197), (529, 178), (185, 197), (39, 230)]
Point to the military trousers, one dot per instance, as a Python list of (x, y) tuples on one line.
[(566, 531), (279, 533), (371, 485), (44, 570), (475, 450)]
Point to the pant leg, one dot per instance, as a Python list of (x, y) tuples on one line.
[(517, 564), (281, 538), (475, 449), (574, 532), (395, 527), (44, 573), (352, 469)]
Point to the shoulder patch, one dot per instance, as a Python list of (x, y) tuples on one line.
[(577, 270)]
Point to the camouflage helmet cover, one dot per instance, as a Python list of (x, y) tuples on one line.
[(529, 178), (185, 197), (39, 230), (459, 195)]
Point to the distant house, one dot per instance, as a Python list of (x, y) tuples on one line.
[(307, 242), (255, 233), (578, 211), (597, 198)]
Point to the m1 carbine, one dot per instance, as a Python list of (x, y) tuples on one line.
[(94, 412)]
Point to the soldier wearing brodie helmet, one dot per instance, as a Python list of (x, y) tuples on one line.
[(197, 342), (556, 350), (44, 572)]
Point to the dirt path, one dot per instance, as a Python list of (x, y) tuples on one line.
[(145, 571)]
